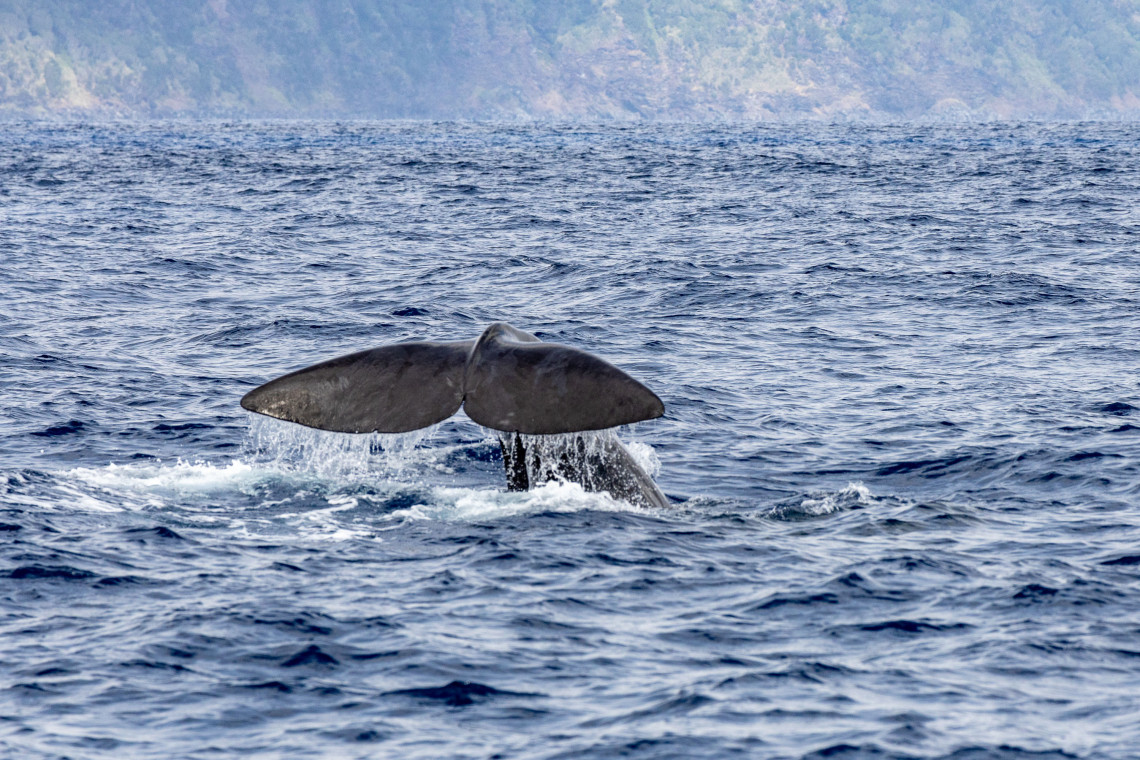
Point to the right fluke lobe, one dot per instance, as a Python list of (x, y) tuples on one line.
[(519, 384)]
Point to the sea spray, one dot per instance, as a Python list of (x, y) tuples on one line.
[(288, 447)]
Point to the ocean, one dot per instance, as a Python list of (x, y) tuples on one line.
[(901, 369)]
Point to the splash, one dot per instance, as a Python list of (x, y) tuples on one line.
[(290, 472), (275, 454), (852, 496), (645, 456), (287, 447)]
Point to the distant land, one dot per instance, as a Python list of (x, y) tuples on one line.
[(570, 59)]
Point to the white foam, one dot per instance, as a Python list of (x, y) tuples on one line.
[(179, 478), (468, 505), (162, 485), (326, 465)]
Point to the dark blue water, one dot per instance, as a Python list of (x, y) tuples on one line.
[(902, 371)]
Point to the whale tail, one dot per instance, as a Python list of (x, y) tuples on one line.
[(506, 380)]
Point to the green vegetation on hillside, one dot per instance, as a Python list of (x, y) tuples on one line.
[(575, 58)]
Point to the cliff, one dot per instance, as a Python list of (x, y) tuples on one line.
[(671, 59)]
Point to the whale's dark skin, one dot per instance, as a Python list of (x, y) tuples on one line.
[(597, 463), (543, 398)]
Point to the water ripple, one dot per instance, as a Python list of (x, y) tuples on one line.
[(900, 364)]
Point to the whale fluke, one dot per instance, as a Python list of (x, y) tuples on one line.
[(392, 389), (507, 380)]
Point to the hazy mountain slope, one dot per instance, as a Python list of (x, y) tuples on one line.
[(495, 58)]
